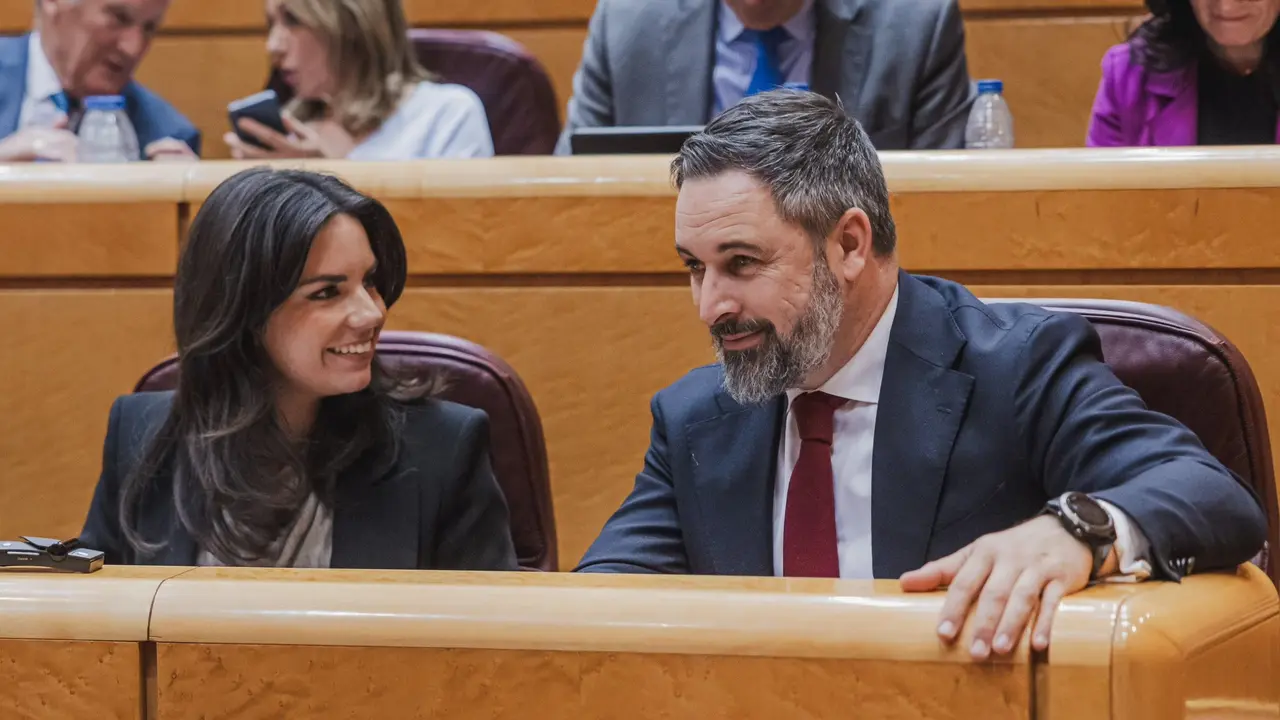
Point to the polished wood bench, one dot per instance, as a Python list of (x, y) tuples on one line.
[(565, 267), (175, 643)]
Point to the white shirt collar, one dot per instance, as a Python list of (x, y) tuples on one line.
[(801, 26), (859, 380), (42, 79)]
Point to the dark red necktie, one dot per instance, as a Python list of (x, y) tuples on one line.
[(809, 528)]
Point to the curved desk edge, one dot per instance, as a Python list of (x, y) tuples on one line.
[(113, 604), (1113, 647), (524, 611), (649, 175)]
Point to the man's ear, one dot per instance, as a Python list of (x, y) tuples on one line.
[(850, 243)]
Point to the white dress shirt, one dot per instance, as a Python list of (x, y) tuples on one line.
[(851, 450), (42, 84), (736, 56)]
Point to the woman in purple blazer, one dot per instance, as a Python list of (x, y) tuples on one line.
[(1198, 72)]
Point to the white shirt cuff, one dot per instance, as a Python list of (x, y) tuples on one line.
[(1133, 551)]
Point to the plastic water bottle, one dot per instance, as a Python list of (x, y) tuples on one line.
[(990, 122), (106, 135)]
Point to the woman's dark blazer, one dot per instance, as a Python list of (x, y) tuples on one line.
[(439, 507)]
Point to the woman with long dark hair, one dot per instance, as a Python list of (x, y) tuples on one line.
[(1197, 72), (285, 443)]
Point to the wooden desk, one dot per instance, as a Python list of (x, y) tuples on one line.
[(248, 644), (72, 646), (565, 268)]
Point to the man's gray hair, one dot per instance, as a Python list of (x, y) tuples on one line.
[(816, 160)]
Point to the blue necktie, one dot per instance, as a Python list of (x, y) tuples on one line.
[(768, 74), (68, 106)]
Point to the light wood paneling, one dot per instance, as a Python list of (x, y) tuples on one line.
[(59, 680), (88, 240), (70, 353), (559, 50), (15, 15), (1050, 68), (200, 75), (1032, 6), (502, 235), (1090, 229), (251, 682), (1051, 230)]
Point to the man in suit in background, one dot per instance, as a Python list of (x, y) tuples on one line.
[(898, 66), (82, 48), (865, 422)]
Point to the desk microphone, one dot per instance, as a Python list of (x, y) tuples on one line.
[(66, 556)]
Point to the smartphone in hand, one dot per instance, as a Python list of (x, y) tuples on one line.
[(263, 107)]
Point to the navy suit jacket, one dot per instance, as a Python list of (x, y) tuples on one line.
[(153, 118), (438, 508), (986, 412)]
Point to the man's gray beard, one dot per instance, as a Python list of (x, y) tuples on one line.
[(757, 375)]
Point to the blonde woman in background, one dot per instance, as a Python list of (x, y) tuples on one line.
[(359, 92)]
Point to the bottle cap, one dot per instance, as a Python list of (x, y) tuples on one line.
[(107, 103), (990, 86)]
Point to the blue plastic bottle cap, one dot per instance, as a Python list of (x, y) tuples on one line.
[(990, 86), (108, 103)]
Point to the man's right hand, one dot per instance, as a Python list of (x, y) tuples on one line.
[(51, 144)]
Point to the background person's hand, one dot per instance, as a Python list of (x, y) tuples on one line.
[(51, 144), (302, 141), (170, 150), (1009, 575)]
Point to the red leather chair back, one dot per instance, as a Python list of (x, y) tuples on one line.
[(1186, 370), (476, 378), (519, 100)]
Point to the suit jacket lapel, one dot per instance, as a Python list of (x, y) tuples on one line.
[(734, 457), (688, 37), (922, 402), (13, 76), (840, 51), (376, 523)]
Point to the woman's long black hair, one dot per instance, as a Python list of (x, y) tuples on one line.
[(1172, 39), (237, 478)]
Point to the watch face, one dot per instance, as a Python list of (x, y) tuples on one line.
[(1088, 510)]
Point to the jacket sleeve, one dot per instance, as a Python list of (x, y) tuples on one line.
[(644, 535), (1086, 431), (945, 92), (192, 138), (102, 526), (592, 101), (474, 526)]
